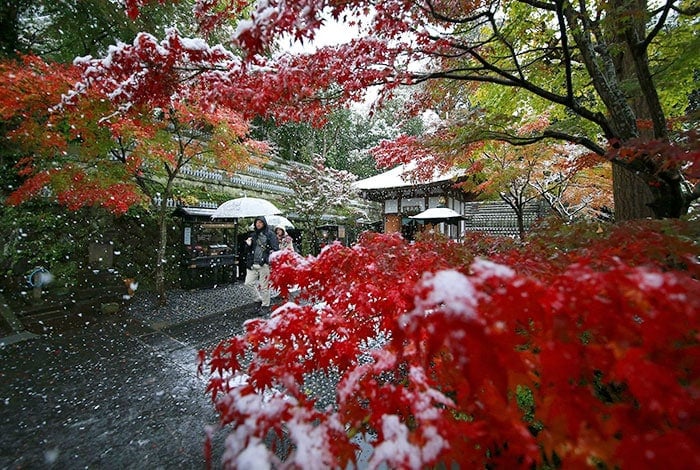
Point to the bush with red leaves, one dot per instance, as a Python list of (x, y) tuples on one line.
[(578, 351)]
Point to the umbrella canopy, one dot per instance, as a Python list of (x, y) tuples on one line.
[(244, 207), (277, 220), (436, 215)]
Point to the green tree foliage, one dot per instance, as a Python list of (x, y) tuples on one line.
[(611, 79), (344, 140), (10, 25), (63, 29)]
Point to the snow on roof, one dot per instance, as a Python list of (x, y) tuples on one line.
[(394, 178), (195, 211)]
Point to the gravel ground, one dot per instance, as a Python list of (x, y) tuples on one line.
[(122, 391), (119, 391), (187, 305)]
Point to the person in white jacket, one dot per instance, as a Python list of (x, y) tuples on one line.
[(283, 239)]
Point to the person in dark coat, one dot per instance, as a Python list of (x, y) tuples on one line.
[(260, 244)]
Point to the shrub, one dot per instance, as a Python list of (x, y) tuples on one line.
[(537, 357), (40, 233)]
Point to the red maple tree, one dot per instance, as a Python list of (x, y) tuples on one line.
[(87, 145), (47, 141), (436, 347), (432, 350), (471, 43)]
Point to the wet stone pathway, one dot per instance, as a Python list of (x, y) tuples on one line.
[(120, 392)]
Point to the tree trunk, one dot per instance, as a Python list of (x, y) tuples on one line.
[(519, 211), (634, 197), (618, 64), (162, 245), (10, 26), (160, 268), (631, 195), (307, 233)]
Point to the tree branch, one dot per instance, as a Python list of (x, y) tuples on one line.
[(658, 26), (547, 6), (520, 140), (504, 78)]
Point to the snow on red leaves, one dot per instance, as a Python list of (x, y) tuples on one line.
[(434, 345)]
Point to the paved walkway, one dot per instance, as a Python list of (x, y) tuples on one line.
[(119, 392)]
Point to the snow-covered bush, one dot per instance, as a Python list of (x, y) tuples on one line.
[(580, 350)]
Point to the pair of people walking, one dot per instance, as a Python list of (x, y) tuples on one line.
[(260, 244)]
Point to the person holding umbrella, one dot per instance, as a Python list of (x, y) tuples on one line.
[(260, 244), (284, 240)]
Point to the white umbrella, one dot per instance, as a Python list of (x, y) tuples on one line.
[(436, 215), (244, 207), (277, 220)]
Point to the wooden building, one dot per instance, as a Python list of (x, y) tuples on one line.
[(403, 196)]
